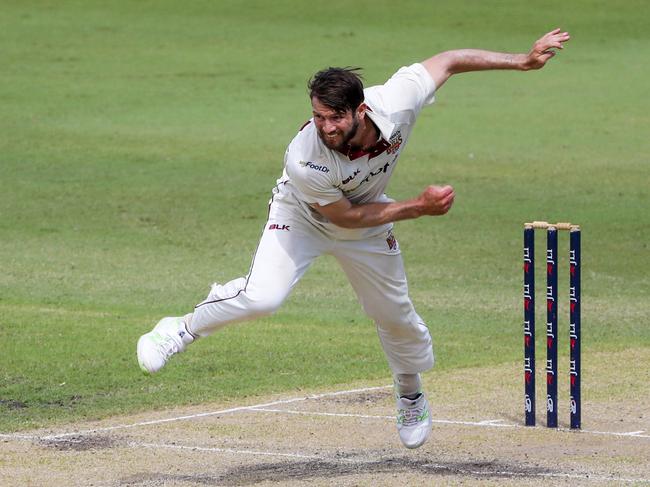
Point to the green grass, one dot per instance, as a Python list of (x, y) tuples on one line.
[(140, 142)]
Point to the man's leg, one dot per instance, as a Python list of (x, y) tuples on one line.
[(283, 255), (376, 271)]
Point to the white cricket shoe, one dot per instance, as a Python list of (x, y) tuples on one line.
[(167, 338), (413, 420)]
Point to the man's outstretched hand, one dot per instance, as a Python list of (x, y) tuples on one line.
[(436, 200), (543, 49)]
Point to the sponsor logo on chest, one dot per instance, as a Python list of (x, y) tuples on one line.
[(358, 177), (314, 166)]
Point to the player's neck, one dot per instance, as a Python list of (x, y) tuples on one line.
[(367, 136)]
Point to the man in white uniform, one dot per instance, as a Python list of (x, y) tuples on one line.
[(330, 200)]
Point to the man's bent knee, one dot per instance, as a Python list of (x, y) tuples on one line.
[(265, 304)]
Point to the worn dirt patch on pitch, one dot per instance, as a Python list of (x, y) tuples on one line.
[(274, 472), (363, 398), (317, 470), (82, 442)]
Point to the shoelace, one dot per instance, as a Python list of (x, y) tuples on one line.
[(168, 346), (411, 416)]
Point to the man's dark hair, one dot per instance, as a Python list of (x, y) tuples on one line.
[(340, 89)]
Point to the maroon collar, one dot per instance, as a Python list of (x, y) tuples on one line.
[(379, 148)]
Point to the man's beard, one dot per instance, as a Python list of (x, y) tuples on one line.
[(345, 138)]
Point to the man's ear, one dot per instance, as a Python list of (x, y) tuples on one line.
[(361, 110)]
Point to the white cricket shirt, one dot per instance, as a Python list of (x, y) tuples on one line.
[(315, 174)]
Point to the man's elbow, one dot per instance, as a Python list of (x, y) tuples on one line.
[(345, 222), (440, 67), (352, 218), (342, 214)]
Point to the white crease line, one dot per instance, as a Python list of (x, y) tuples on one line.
[(222, 450), (491, 422), (633, 434), (195, 416), (18, 437), (259, 407), (316, 413)]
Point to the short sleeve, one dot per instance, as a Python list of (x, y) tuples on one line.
[(314, 181), (409, 89)]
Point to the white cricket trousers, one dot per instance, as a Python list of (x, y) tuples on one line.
[(374, 267)]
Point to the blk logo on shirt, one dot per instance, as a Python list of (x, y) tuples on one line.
[(276, 226)]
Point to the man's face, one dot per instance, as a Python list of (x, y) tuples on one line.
[(334, 128)]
